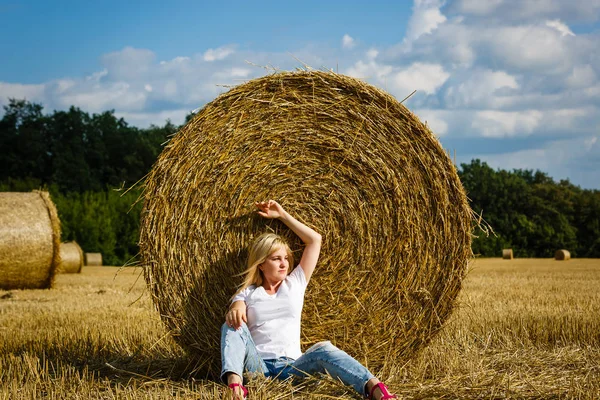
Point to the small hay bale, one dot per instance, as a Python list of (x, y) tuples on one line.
[(29, 240), (507, 254), (343, 157), (562, 255), (71, 258), (93, 259)]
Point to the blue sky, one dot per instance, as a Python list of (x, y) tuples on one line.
[(70, 36), (512, 82)]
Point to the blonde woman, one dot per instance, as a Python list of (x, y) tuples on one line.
[(262, 329)]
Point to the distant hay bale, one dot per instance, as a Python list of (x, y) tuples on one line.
[(71, 258), (345, 158), (507, 254), (93, 259), (29, 240), (562, 255)]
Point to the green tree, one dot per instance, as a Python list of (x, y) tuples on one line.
[(531, 213), (70, 170), (24, 142)]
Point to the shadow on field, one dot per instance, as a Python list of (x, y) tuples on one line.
[(199, 326), (59, 362), (123, 370), (204, 313)]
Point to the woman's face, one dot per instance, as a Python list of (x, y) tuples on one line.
[(276, 266)]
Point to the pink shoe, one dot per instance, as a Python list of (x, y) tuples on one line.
[(232, 386), (384, 391)]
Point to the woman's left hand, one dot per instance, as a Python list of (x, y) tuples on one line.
[(269, 209)]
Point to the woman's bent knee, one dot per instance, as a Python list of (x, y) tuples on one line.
[(322, 347), (225, 326)]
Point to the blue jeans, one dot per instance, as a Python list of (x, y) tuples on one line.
[(239, 355)]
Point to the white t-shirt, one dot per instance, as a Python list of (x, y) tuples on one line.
[(274, 320)]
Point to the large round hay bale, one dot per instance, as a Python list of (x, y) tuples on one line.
[(345, 158), (29, 240), (93, 259), (562, 255), (507, 254), (71, 258)]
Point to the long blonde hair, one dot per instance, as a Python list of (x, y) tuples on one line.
[(262, 247)]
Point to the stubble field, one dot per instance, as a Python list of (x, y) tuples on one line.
[(525, 328)]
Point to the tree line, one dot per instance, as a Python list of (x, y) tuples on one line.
[(531, 213), (87, 161)]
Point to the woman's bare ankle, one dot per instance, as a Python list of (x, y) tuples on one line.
[(372, 382), (377, 393), (235, 378)]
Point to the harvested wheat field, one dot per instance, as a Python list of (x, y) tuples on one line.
[(528, 329)]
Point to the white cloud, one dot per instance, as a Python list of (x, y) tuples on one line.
[(118, 95), (508, 11), (590, 143), (239, 72), (145, 119), (61, 86), (217, 54), (426, 17), (498, 124), (418, 76), (572, 122), (127, 64), (372, 54), (592, 91), (575, 159), (400, 82), (347, 42), (434, 119), (479, 89), (169, 88), (526, 47), (369, 70), (234, 73), (560, 27), (176, 64), (97, 76), (582, 76), (478, 7), (508, 126), (34, 93), (452, 43)]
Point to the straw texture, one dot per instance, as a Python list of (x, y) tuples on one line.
[(346, 159), (29, 240), (562, 255), (93, 259), (507, 254), (71, 258)]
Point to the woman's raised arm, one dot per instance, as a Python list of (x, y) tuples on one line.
[(311, 239)]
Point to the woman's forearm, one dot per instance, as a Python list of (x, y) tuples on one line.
[(306, 234)]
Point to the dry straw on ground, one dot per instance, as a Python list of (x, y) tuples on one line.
[(29, 240), (71, 258), (562, 255), (93, 259), (507, 254), (343, 157)]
